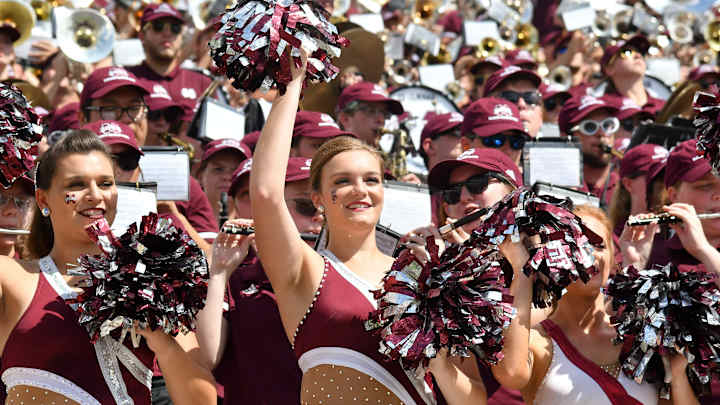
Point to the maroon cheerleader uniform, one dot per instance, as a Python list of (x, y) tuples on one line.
[(49, 354), (339, 358)]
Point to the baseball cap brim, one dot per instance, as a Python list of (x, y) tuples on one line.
[(584, 113), (494, 129), (440, 174), (695, 173), (103, 91)]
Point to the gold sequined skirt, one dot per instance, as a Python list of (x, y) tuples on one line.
[(27, 395), (327, 384)]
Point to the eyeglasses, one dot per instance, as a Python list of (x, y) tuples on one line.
[(517, 141), (304, 207), (628, 124), (479, 80), (589, 127), (530, 97), (158, 26), (22, 203), (113, 113), (171, 115), (374, 111), (624, 53), (127, 161), (475, 185), (553, 102)]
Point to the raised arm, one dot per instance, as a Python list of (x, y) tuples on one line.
[(280, 248)]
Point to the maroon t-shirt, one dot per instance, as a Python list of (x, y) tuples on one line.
[(258, 366), (605, 197), (671, 250), (185, 86), (198, 212)]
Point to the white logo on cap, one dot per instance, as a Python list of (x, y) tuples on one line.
[(696, 158), (159, 91), (455, 117), (188, 93), (468, 154), (659, 153), (378, 90), (111, 129), (511, 173), (229, 142), (327, 121), (587, 101), (246, 167), (628, 104), (308, 162), (118, 73), (164, 8), (510, 70), (502, 112)]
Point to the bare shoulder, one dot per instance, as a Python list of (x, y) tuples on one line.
[(12, 270)]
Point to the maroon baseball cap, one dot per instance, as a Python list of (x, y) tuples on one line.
[(549, 91), (159, 98), (489, 116), (704, 71), (577, 108), (114, 133), (220, 145), (316, 125), (439, 123), (367, 91), (251, 139), (242, 170), (493, 61), (104, 80), (638, 42), (520, 57), (510, 72), (639, 159), (160, 10), (627, 108), (64, 118), (684, 164), (491, 160)]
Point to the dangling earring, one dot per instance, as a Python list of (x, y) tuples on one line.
[(321, 209), (45, 212)]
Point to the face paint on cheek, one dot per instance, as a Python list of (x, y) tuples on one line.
[(70, 198), (333, 195)]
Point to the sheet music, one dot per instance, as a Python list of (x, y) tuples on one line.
[(437, 76), (369, 22), (222, 121), (476, 31), (132, 204), (128, 52), (552, 164), (171, 172), (406, 207)]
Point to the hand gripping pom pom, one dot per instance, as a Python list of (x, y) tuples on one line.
[(458, 302), (156, 275), (707, 126), (259, 39), (21, 133), (663, 311)]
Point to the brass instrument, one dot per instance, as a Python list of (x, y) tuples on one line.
[(396, 159), (43, 8), (602, 26), (711, 32), (561, 76), (507, 34), (85, 36), (609, 150), (424, 10), (400, 73), (622, 24), (488, 47), (705, 57), (203, 11), (20, 15), (526, 37), (174, 140), (442, 57), (680, 27)]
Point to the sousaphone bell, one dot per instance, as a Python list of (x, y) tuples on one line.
[(20, 16), (85, 36)]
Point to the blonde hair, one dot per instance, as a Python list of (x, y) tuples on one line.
[(334, 147), (589, 211)]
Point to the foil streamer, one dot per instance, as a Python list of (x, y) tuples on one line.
[(458, 301), (562, 252), (155, 275), (660, 312), (257, 40), (707, 126), (20, 133)]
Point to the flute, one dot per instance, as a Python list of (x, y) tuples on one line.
[(234, 229), (666, 219), (462, 221), (7, 231)]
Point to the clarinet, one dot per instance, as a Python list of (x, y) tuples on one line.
[(223, 216)]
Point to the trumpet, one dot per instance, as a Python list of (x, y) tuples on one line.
[(561, 76), (174, 140), (400, 74), (526, 37), (488, 47)]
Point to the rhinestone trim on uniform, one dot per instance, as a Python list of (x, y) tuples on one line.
[(33, 377), (312, 304)]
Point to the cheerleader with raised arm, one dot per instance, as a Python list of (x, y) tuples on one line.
[(47, 355), (325, 297)]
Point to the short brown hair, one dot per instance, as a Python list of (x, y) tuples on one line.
[(334, 147)]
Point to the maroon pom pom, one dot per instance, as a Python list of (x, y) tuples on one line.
[(259, 39), (21, 132), (707, 125), (155, 275)]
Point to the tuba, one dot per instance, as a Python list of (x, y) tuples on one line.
[(174, 140)]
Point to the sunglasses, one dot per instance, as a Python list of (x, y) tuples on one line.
[(628, 124), (554, 102), (22, 203), (158, 26), (479, 80), (171, 115), (624, 53), (475, 185), (589, 127), (127, 161), (305, 207), (530, 97), (517, 141)]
